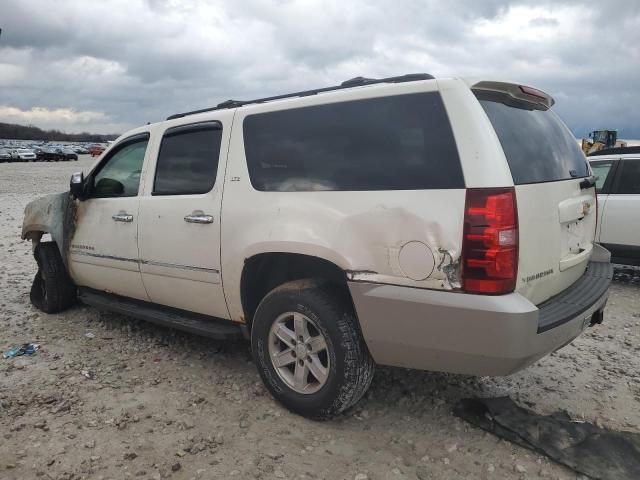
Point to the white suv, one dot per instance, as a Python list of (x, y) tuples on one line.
[(23, 155), (618, 185), (433, 224)]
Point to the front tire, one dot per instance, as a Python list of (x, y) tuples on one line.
[(309, 350), (52, 290)]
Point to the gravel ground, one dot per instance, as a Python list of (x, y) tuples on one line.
[(111, 397)]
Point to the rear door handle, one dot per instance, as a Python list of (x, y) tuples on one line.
[(122, 216), (198, 216)]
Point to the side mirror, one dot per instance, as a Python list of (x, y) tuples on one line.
[(76, 185)]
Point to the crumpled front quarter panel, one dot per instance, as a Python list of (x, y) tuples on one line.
[(53, 214)]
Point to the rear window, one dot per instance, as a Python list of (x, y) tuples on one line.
[(538, 146), (402, 142)]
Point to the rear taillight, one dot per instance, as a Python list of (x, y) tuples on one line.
[(490, 243)]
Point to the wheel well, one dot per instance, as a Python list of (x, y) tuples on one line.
[(264, 272), (36, 237)]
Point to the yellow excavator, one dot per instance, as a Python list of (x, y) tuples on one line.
[(601, 139)]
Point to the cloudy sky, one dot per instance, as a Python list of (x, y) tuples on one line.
[(110, 65)]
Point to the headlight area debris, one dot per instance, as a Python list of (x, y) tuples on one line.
[(19, 350)]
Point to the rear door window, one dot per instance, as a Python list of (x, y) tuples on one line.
[(401, 142), (188, 159), (538, 146), (629, 177)]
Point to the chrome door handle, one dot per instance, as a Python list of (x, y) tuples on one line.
[(122, 217), (198, 216)]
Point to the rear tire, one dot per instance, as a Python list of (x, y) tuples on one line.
[(52, 290), (344, 364)]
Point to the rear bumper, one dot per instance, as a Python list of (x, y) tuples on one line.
[(474, 334)]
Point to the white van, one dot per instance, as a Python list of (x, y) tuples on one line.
[(438, 224)]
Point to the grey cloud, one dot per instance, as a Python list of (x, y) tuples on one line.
[(543, 22), (140, 61)]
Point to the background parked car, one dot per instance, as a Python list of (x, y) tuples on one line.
[(5, 156), (618, 187), (96, 150), (52, 155), (67, 154), (81, 150), (23, 155), (39, 154)]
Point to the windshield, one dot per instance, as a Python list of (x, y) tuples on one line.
[(538, 146)]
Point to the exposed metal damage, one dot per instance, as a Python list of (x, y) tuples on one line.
[(445, 275), (359, 275), (450, 267)]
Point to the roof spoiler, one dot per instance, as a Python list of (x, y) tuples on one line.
[(516, 92)]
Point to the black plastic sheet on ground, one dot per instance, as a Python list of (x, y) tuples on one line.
[(581, 446)]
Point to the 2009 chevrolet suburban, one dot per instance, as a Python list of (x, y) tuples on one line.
[(438, 224)]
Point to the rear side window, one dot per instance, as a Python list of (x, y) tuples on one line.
[(188, 159), (629, 179), (538, 146), (402, 142)]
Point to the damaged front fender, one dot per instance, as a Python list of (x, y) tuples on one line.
[(53, 214)]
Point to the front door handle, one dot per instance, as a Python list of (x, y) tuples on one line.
[(198, 216), (122, 216)]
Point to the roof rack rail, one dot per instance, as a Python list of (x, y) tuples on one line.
[(354, 82)]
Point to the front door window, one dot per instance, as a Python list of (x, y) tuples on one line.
[(601, 172), (119, 176)]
